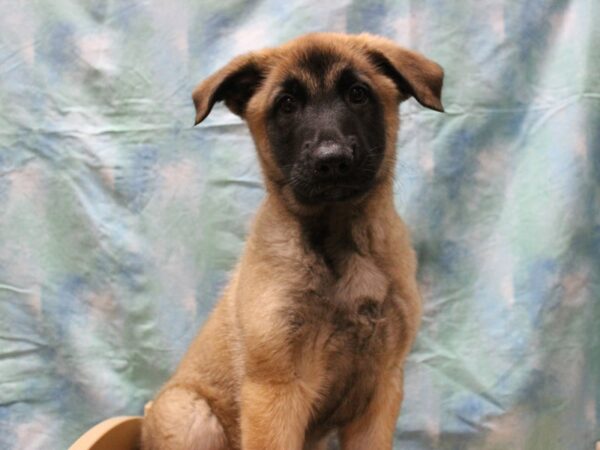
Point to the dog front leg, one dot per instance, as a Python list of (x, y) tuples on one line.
[(374, 430), (180, 419), (274, 416)]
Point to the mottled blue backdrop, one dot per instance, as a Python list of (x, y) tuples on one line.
[(119, 221)]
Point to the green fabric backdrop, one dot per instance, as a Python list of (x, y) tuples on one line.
[(119, 221)]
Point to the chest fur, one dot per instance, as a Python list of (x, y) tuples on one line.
[(344, 326)]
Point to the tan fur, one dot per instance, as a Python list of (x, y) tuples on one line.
[(299, 347)]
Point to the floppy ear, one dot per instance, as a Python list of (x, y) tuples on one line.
[(235, 84), (413, 74)]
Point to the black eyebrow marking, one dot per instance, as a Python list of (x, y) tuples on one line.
[(293, 85), (348, 77)]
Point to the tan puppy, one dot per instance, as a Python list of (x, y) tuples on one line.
[(310, 336)]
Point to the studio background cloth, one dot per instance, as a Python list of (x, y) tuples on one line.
[(119, 221)]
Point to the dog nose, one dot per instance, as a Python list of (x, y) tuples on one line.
[(331, 159)]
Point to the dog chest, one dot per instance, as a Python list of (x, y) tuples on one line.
[(344, 353), (341, 348)]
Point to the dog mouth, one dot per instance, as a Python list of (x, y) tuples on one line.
[(312, 186), (328, 192)]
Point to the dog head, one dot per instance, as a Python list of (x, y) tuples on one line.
[(323, 110)]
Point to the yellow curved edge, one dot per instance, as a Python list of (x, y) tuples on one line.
[(118, 433)]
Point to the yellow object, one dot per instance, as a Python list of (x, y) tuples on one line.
[(118, 433)]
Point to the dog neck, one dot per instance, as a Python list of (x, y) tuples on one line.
[(331, 231)]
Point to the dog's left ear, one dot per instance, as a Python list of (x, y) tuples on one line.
[(234, 84), (413, 74)]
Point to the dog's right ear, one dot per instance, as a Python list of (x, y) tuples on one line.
[(234, 84)]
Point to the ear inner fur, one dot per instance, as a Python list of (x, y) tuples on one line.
[(234, 84), (414, 74)]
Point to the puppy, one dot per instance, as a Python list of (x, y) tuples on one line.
[(310, 336)]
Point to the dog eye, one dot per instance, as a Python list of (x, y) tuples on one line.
[(287, 104), (358, 94)]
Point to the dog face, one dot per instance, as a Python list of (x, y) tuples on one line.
[(323, 110), (325, 128)]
